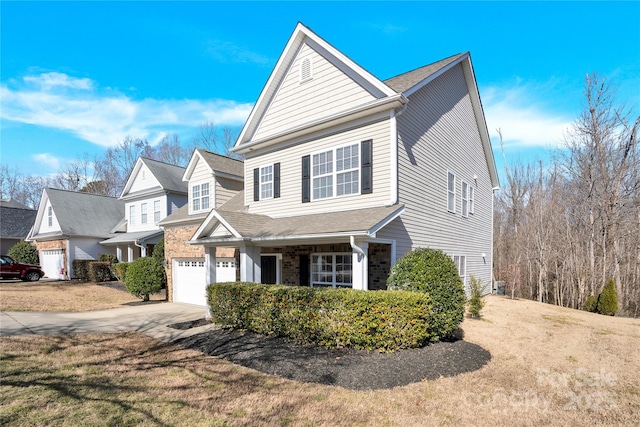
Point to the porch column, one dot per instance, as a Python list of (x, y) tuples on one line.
[(249, 263), (209, 271), (361, 267), (119, 253), (129, 253)]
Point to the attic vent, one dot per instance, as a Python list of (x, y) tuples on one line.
[(306, 69)]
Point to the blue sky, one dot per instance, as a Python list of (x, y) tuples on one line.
[(78, 77)]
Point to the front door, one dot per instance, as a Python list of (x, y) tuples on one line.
[(268, 269)]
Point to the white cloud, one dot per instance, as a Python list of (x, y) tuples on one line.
[(524, 118), (66, 103), (48, 160)]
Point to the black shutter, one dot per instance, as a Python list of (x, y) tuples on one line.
[(276, 180), (306, 179), (256, 184), (303, 263), (366, 167)]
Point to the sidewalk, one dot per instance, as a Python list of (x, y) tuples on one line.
[(151, 319)]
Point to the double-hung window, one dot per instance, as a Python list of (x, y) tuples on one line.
[(50, 216), (334, 270), (200, 197), (451, 192), (143, 213), (472, 201), (156, 211), (132, 215), (461, 264), (339, 178), (266, 182), (465, 199)]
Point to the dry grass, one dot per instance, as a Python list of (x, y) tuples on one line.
[(64, 296), (550, 366)]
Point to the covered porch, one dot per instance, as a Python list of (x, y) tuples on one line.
[(131, 246), (337, 249)]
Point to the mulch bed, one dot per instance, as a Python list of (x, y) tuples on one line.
[(348, 368)]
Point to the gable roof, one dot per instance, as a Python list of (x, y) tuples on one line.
[(81, 214), (219, 164), (406, 81), (15, 223), (169, 176)]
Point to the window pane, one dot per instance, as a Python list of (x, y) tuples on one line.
[(195, 191), (204, 202), (348, 183), (204, 189), (196, 204), (323, 187)]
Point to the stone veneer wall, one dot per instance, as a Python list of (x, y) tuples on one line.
[(56, 244), (175, 247)]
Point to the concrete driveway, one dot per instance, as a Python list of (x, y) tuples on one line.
[(149, 319)]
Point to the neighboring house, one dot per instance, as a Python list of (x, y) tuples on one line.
[(213, 181), (153, 191), (16, 221), (70, 225), (348, 173)]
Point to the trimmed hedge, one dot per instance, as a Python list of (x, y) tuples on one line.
[(81, 269), (100, 271), (384, 320)]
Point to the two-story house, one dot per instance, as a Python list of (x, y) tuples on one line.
[(153, 191), (75, 225), (213, 181), (350, 172)]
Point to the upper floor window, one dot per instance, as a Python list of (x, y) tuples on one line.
[(340, 179), (465, 199), (132, 215), (200, 197), (306, 69), (472, 201), (156, 211), (266, 182), (50, 216), (143, 213), (451, 192)]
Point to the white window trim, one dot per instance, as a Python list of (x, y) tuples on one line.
[(200, 197), (143, 213), (132, 215), (301, 77), (334, 283), (157, 211), (465, 198), (272, 182), (334, 173), (449, 192), (458, 264), (472, 200), (50, 216)]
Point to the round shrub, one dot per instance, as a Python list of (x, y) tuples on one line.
[(433, 272), (24, 252), (143, 277)]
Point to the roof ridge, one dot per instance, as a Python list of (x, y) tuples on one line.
[(161, 162), (426, 65), (219, 155), (80, 192)]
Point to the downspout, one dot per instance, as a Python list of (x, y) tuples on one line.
[(142, 247), (360, 251), (393, 155)]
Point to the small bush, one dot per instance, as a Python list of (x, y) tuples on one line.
[(608, 299), (120, 269), (144, 277), (384, 320), (158, 252), (475, 303), (434, 273), (591, 304), (110, 258), (24, 252), (100, 271), (81, 269)]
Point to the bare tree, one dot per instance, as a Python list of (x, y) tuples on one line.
[(170, 151), (218, 140)]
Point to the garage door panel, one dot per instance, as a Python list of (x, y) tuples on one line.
[(52, 263), (189, 284)]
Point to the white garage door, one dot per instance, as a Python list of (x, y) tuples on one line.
[(189, 284), (52, 262), (226, 270)]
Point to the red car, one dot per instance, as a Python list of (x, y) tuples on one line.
[(12, 269)]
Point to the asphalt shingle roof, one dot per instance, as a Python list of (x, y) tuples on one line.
[(219, 163), (15, 223), (169, 176), (405, 81)]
